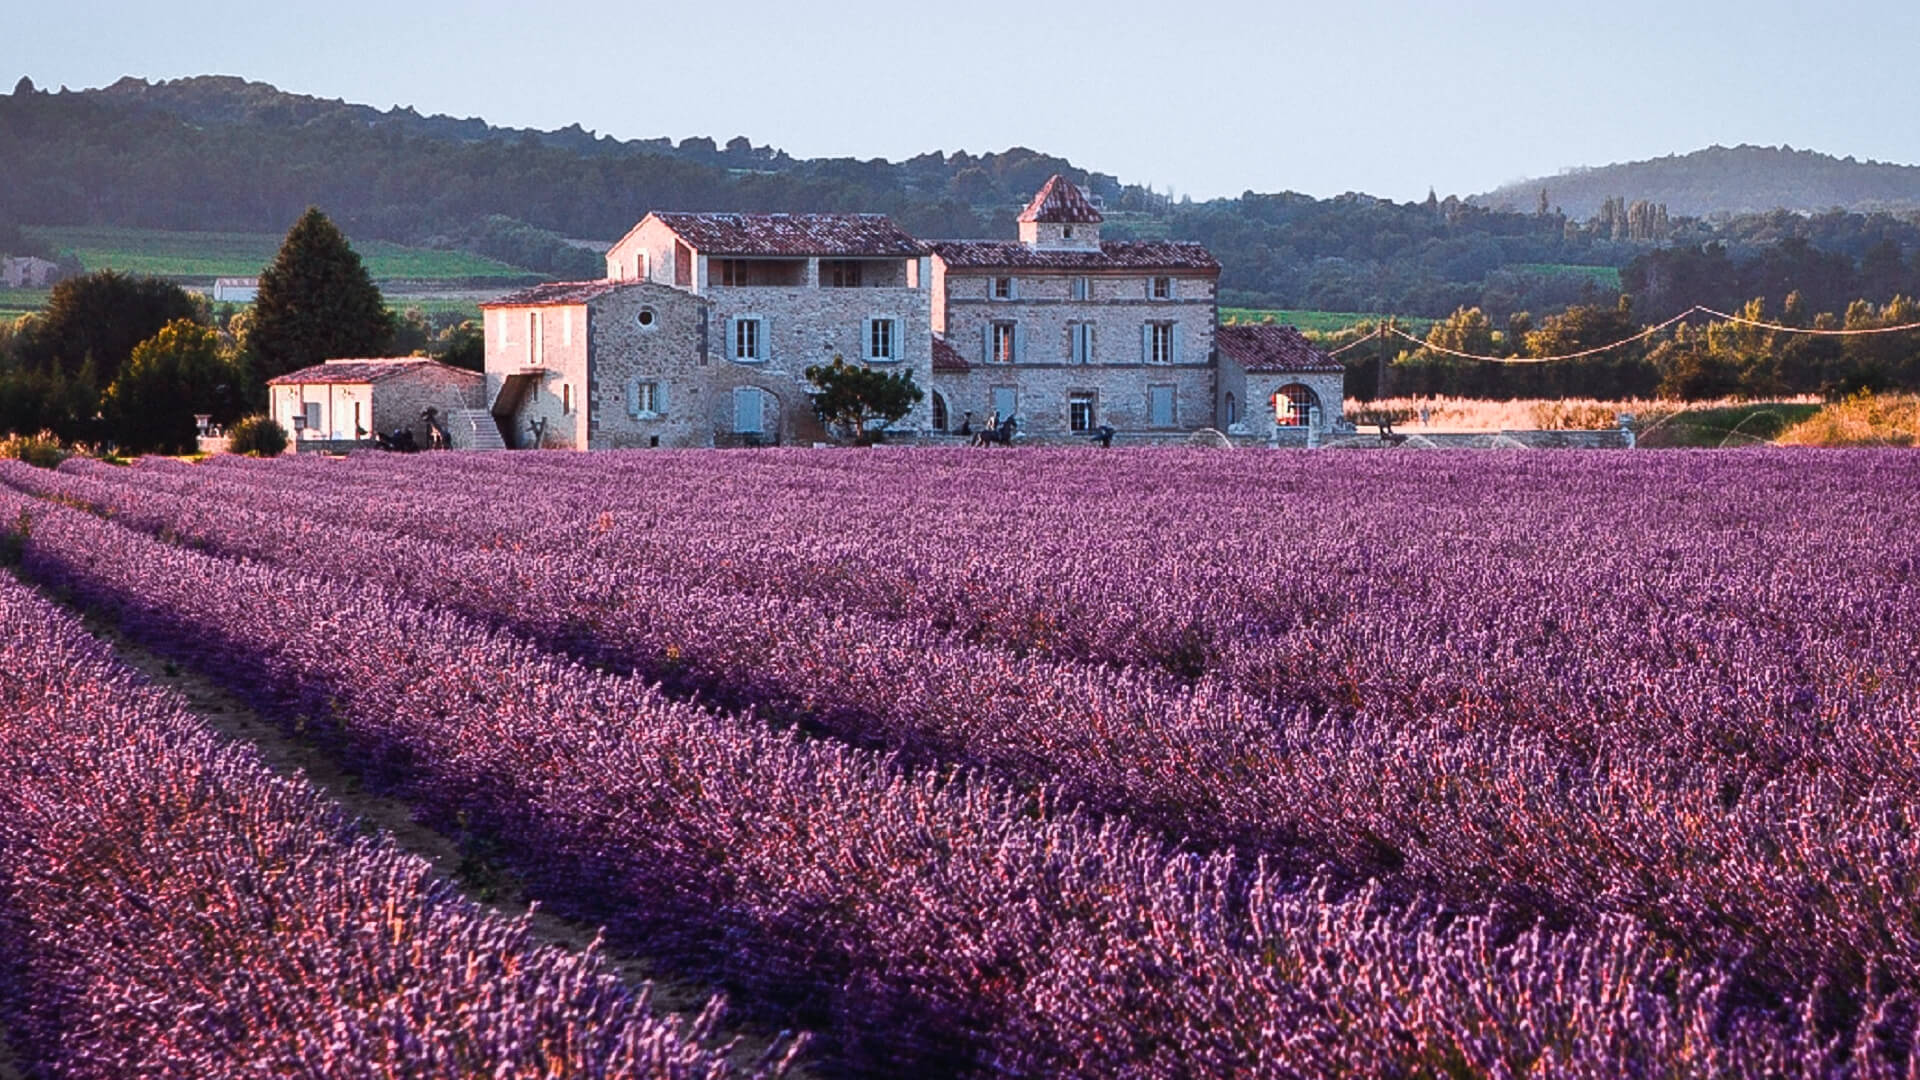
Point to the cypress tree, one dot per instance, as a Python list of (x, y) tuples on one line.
[(317, 302)]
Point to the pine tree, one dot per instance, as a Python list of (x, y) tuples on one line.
[(317, 303)]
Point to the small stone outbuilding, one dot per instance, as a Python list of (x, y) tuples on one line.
[(1274, 385), (341, 404)]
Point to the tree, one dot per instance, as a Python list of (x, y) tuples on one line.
[(100, 318), (853, 397), (317, 303), (178, 372)]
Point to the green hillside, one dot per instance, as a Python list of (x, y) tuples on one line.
[(202, 255)]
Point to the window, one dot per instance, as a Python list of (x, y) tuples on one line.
[(1082, 288), (1080, 412), (1233, 411), (749, 340), (1293, 406), (646, 399), (566, 398), (880, 335), (645, 318), (640, 266), (939, 407), (840, 273), (1003, 288), (1159, 343), (1080, 343), (1066, 233), (1162, 288), (1003, 343), (536, 351), (1160, 406), (310, 416), (733, 272)]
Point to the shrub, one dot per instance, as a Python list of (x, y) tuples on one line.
[(260, 436), (1862, 419), (43, 449)]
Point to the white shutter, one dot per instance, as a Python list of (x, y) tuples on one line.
[(986, 344), (1178, 353), (1019, 344), (731, 344), (660, 398), (866, 339), (1146, 343), (633, 397)]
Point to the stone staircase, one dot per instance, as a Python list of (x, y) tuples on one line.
[(473, 429)]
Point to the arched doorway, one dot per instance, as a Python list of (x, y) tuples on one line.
[(939, 407), (1295, 406)]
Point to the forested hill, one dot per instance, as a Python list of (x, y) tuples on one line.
[(215, 154), (1719, 180)]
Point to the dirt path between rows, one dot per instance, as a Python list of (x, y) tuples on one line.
[(290, 756)]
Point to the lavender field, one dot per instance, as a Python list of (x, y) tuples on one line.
[(1035, 763)]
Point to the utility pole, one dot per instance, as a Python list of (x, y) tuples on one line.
[(1380, 374)]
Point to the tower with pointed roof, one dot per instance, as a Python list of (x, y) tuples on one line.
[(1061, 218)]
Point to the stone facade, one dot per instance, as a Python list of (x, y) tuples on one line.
[(811, 286), (702, 330), (27, 272), (343, 403)]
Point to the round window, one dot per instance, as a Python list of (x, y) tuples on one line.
[(645, 318)]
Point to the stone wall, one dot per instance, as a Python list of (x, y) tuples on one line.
[(1042, 392), (806, 326), (399, 399), (1043, 312), (1256, 391), (667, 350)]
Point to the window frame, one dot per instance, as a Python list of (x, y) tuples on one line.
[(1160, 287), (1299, 414), (1080, 342), (890, 327), (996, 292), (1005, 334), (1081, 289), (646, 399), (1075, 400), (754, 329), (1160, 343)]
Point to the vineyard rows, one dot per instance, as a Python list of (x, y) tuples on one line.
[(1158, 764)]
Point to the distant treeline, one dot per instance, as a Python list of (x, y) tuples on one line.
[(222, 154), (1704, 358)]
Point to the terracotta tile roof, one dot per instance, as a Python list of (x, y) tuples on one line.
[(793, 234), (1149, 255), (948, 358), (1061, 202), (558, 292), (1272, 348), (362, 371)]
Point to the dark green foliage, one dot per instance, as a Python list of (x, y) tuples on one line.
[(520, 244), (850, 397), (33, 400), (98, 319), (179, 372), (463, 346), (317, 303), (258, 436)]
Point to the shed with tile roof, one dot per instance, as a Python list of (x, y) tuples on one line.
[(343, 403)]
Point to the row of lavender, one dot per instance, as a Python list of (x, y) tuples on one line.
[(168, 907), (1683, 712), (943, 924)]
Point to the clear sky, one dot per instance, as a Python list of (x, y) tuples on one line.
[(1206, 98)]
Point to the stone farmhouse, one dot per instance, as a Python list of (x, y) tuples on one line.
[(341, 404), (27, 272), (701, 332)]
